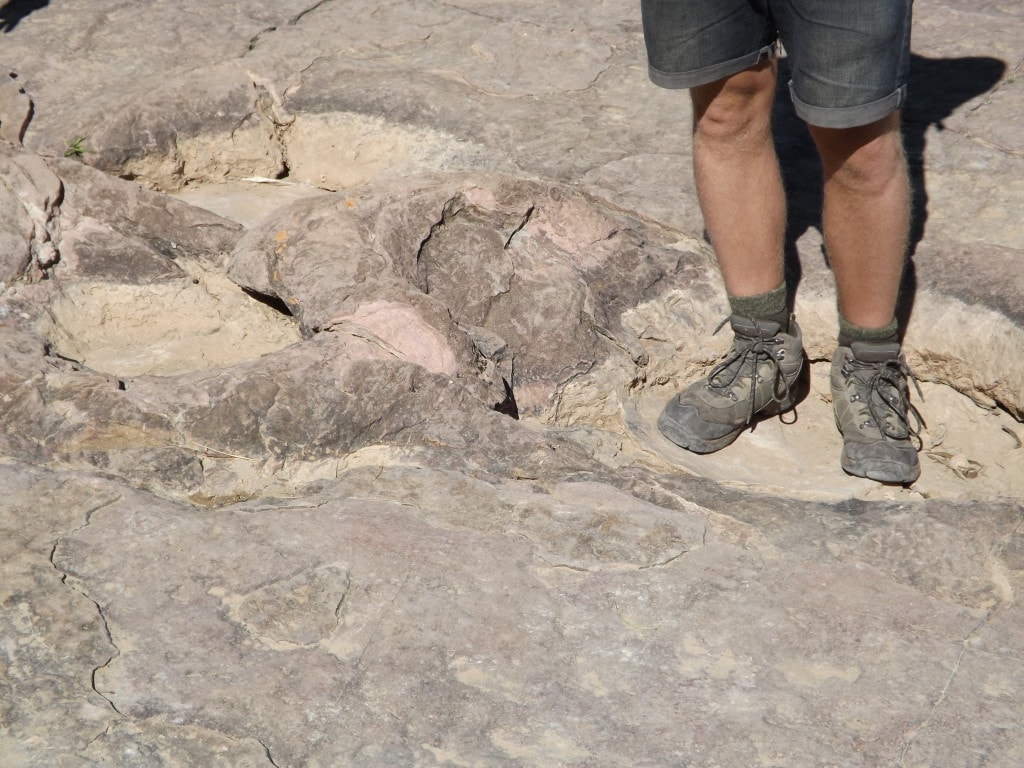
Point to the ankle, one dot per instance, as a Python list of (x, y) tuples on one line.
[(770, 305), (849, 333)]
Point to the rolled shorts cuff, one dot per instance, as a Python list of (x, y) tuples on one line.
[(848, 117), (710, 74)]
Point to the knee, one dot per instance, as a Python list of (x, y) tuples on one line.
[(867, 159), (734, 110)]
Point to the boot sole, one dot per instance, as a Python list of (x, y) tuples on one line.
[(882, 472), (889, 472), (668, 427), (671, 430)]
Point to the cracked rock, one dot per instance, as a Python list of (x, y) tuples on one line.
[(359, 467)]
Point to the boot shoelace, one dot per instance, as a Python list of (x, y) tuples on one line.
[(750, 350), (887, 380)]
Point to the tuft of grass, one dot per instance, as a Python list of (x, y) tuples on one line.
[(75, 148)]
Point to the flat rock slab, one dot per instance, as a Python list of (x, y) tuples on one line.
[(344, 453), (355, 629)]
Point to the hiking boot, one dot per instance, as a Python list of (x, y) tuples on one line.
[(756, 379), (869, 396)]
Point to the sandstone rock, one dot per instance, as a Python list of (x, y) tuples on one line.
[(394, 496), (54, 636), (515, 653), (30, 198), (165, 226), (15, 110), (15, 236), (546, 273)]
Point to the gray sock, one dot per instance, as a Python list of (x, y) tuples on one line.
[(763, 306), (849, 333)]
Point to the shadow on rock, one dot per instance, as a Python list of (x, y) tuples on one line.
[(12, 12)]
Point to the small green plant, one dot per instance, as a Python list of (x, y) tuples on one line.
[(75, 148)]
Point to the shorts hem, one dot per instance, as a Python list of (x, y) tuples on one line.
[(848, 117), (705, 75)]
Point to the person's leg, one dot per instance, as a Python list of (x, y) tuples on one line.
[(722, 51), (740, 191), (739, 186), (866, 220), (850, 64), (866, 217)]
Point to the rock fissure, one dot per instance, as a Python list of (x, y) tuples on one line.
[(294, 20), (519, 227), (494, 301), (266, 751), (64, 576), (450, 209), (305, 71), (341, 600), (971, 115), (563, 566), (365, 431), (19, 110), (667, 561), (87, 516), (1008, 81), (473, 12), (116, 652), (595, 81), (256, 39), (635, 352), (358, 662), (101, 735), (951, 678), (603, 238)]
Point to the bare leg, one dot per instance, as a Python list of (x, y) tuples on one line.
[(866, 220), (866, 216), (738, 182), (741, 195)]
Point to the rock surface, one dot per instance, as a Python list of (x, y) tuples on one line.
[(332, 336)]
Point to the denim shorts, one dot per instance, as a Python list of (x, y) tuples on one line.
[(848, 58)]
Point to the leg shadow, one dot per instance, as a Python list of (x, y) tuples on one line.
[(13, 11)]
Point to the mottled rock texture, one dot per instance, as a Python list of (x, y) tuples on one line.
[(352, 461)]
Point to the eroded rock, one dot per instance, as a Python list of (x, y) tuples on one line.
[(402, 503)]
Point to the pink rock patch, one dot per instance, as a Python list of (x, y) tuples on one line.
[(399, 330)]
